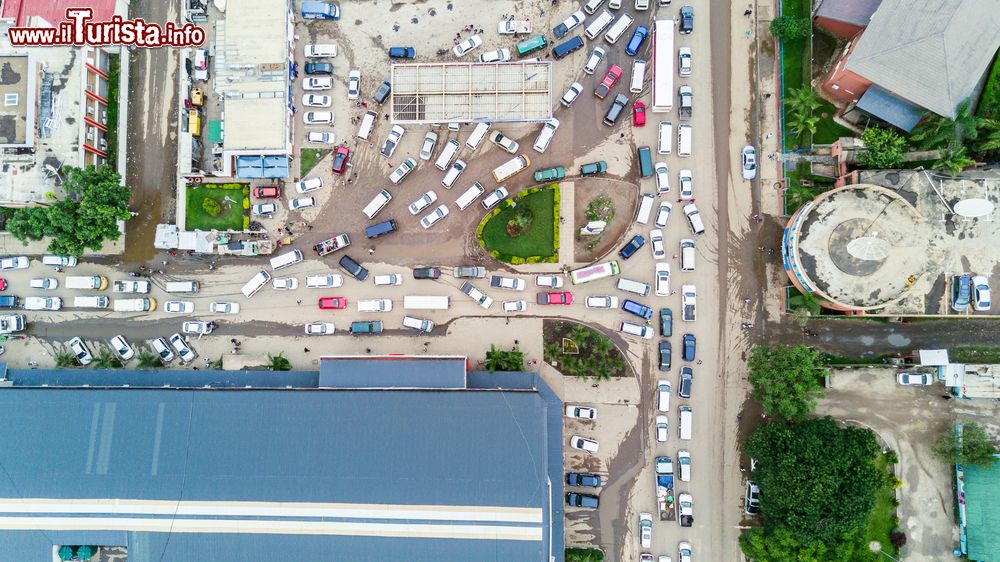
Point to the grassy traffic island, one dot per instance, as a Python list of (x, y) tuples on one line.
[(224, 206), (524, 229), (578, 351)]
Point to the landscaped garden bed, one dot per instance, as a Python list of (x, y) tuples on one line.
[(578, 351), (222, 206), (524, 229)]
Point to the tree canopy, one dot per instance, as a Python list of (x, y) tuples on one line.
[(791, 27), (782, 546), (974, 447), (786, 380), (95, 201), (817, 480), (885, 148)]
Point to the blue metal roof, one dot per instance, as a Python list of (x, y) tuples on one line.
[(392, 372), (892, 109)]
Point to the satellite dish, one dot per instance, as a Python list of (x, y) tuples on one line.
[(868, 248), (972, 208)]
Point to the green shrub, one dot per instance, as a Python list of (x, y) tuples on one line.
[(246, 203), (211, 206), (791, 27), (246, 223)]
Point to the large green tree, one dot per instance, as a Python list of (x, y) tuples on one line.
[(953, 160), (782, 546), (500, 360), (786, 380), (884, 148), (817, 480), (791, 27), (87, 216), (974, 447)]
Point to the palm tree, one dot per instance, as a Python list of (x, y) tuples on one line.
[(802, 123), (275, 362), (953, 161), (217, 364), (967, 124), (148, 360), (64, 359), (991, 127), (797, 195), (932, 132), (107, 360), (802, 100)]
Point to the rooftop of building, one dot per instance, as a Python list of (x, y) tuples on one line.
[(857, 12), (17, 109), (982, 512)]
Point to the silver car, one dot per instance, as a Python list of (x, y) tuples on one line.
[(427, 149)]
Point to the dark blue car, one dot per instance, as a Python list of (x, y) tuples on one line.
[(402, 52), (632, 247), (638, 37), (581, 479), (689, 346)]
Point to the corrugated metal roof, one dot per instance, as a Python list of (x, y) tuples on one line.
[(982, 512), (857, 12), (929, 52), (392, 372), (889, 108)]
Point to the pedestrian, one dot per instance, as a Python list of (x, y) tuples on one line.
[(165, 262), (698, 362), (371, 250), (233, 341), (767, 95), (299, 302), (517, 342), (195, 368), (621, 135), (368, 350), (305, 349), (673, 292), (675, 256), (748, 13)]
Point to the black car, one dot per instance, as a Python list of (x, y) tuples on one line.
[(582, 500), (402, 53), (616, 109), (687, 379), (426, 273), (666, 322), (689, 347), (687, 19), (323, 68), (628, 250), (382, 93), (664, 355), (581, 479), (354, 268)]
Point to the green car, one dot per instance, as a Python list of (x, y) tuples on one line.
[(549, 174), (594, 168)]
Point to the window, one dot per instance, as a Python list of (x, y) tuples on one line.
[(10, 99), (835, 86)]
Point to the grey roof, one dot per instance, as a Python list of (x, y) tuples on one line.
[(317, 447), (930, 52), (856, 12), (392, 372), (889, 108), (160, 378)]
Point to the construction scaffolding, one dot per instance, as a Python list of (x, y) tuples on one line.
[(471, 92)]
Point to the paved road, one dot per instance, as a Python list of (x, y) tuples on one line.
[(868, 338)]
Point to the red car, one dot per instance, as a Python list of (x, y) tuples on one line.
[(3, 284), (557, 297), (332, 303), (610, 79), (340, 159), (638, 114), (266, 191)]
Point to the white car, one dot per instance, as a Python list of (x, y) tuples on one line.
[(179, 307), (392, 140), (316, 100), (320, 329), (353, 84), (661, 429), (663, 214), (508, 283), (402, 170), (580, 412), (197, 327), (515, 306), (602, 301), (499, 55), (749, 162), (264, 209), (285, 283), (574, 91), (494, 199), (645, 530), (46, 283), (308, 184), (222, 307), (545, 135), (324, 281), (162, 349), (570, 23), (915, 379), (583, 444), (182, 348), (684, 61), (18, 262), (662, 173), (687, 185), (981, 292), (388, 280), (423, 202), (80, 350), (430, 219), (683, 552), (553, 281), (322, 138), (42, 303), (121, 347), (315, 83), (318, 118), (663, 395), (503, 142), (662, 279), (427, 149), (656, 244), (469, 44), (301, 203), (596, 56)]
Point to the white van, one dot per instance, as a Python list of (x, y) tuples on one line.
[(321, 50), (377, 204), (477, 136), (666, 137), (645, 208), (181, 287), (374, 305), (686, 422), (367, 124), (638, 76), (450, 148), (418, 324), (633, 329), (505, 171), (324, 281), (591, 6), (619, 28), (135, 305), (255, 284), (89, 282), (694, 218), (454, 171), (286, 259), (470, 196), (597, 26), (684, 140), (59, 261), (425, 303), (91, 302), (687, 254), (637, 287)]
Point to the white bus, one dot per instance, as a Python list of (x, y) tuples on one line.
[(425, 302), (511, 167), (594, 272), (663, 65)]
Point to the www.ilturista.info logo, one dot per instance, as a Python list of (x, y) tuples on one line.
[(79, 30)]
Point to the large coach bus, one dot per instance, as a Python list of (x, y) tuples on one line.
[(594, 272), (663, 65)]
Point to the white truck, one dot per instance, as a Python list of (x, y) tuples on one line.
[(689, 297), (665, 488), (10, 323), (131, 286), (332, 244), (134, 305), (513, 27), (686, 507)]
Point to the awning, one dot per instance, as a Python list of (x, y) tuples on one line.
[(215, 131), (933, 357), (889, 108), (262, 167)]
